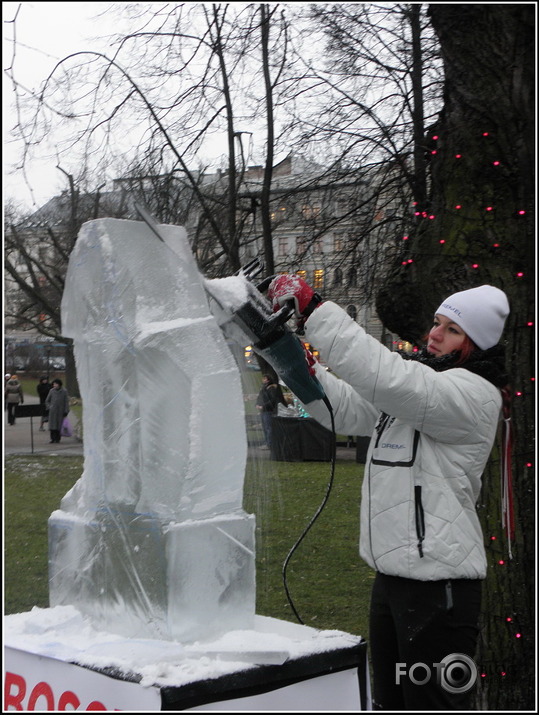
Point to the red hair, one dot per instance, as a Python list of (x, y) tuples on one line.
[(468, 346)]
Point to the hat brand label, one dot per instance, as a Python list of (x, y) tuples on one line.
[(450, 307)]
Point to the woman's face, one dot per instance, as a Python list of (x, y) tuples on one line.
[(444, 336)]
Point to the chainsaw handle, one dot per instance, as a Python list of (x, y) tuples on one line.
[(282, 315), (263, 287)]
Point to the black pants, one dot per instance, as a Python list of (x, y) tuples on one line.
[(423, 622), (11, 406), (55, 435)]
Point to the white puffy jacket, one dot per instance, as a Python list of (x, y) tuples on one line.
[(432, 433)]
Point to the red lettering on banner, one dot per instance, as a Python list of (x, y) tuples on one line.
[(11, 699), (68, 698), (39, 690), (15, 692)]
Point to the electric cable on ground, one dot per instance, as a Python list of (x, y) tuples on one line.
[(318, 511)]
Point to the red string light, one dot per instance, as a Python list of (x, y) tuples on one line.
[(474, 266)]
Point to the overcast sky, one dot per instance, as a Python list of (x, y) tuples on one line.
[(45, 32)]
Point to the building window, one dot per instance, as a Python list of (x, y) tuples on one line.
[(318, 279), (302, 275), (300, 244), (283, 246), (310, 210), (279, 214), (338, 243), (342, 207), (318, 245), (337, 277), (352, 311), (352, 278)]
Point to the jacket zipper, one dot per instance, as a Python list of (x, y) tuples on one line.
[(419, 520), (382, 422), (380, 427)]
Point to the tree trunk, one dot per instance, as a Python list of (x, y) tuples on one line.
[(479, 230), (265, 210), (420, 179)]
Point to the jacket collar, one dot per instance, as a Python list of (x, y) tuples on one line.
[(489, 364)]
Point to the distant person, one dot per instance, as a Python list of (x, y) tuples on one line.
[(43, 389), (13, 396), (57, 403), (268, 400)]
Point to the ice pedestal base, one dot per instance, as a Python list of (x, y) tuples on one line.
[(139, 576), (55, 660)]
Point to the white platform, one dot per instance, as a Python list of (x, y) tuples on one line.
[(55, 660)]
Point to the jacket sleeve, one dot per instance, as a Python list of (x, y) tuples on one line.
[(352, 414), (448, 405)]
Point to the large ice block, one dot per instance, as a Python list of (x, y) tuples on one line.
[(152, 540)]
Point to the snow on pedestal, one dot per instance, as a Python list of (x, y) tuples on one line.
[(152, 541)]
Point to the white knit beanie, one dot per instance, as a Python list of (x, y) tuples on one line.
[(480, 312)]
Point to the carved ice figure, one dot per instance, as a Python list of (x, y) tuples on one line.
[(152, 541)]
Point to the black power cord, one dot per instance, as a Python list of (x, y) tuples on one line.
[(318, 511)]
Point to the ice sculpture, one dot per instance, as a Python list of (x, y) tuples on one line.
[(152, 540)]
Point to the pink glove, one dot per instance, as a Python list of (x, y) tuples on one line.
[(288, 287)]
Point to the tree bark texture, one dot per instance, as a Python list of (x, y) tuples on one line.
[(477, 227)]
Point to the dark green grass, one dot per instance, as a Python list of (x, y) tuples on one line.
[(33, 488), (327, 581)]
